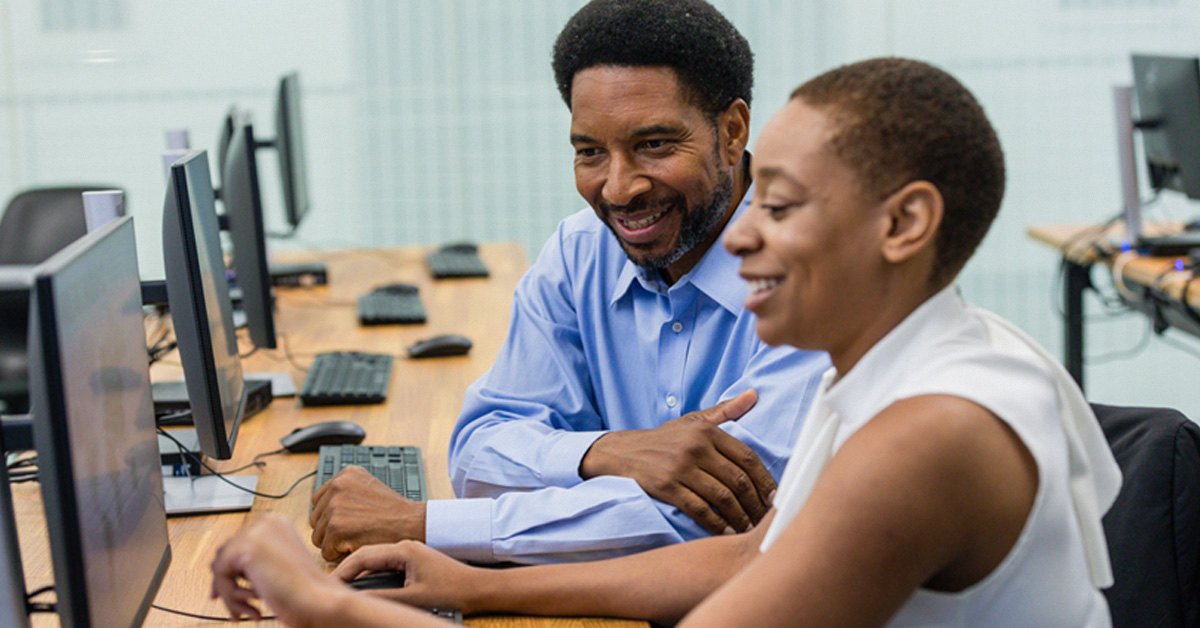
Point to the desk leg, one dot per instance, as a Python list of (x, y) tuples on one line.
[(1078, 280)]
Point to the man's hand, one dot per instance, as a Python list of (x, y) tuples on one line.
[(355, 509), (693, 465), (267, 561), (431, 579)]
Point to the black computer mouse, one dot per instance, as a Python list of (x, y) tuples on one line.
[(440, 346), (310, 438), (379, 580), (397, 288)]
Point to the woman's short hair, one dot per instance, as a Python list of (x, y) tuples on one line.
[(902, 120)]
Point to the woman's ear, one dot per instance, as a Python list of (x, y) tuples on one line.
[(915, 214), (733, 126)]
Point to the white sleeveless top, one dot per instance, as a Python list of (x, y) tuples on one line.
[(1052, 576)]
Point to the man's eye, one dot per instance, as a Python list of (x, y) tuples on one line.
[(587, 153), (655, 144)]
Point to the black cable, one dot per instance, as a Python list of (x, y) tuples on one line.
[(287, 351), (39, 591), (23, 462), (183, 417), (39, 607), (269, 453), (221, 476), (198, 616), (1141, 345)]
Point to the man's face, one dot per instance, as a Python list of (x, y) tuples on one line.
[(647, 161)]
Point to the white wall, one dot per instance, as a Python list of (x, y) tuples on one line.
[(434, 121)]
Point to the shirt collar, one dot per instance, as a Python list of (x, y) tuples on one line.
[(855, 395), (714, 275)]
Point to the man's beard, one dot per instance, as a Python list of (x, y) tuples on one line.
[(697, 226)]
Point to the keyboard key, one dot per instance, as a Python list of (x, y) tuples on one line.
[(400, 468)]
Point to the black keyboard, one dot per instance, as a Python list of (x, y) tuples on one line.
[(344, 378), (389, 308), (400, 468), (456, 262)]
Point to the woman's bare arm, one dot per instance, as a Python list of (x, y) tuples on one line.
[(661, 585), (933, 492)]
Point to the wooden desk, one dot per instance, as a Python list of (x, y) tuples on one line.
[(423, 403), (1149, 284)]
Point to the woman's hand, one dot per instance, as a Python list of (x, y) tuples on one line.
[(267, 561), (432, 579)]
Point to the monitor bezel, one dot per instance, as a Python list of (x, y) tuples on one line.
[(289, 146), (248, 233), (51, 425), (1173, 131), (189, 312)]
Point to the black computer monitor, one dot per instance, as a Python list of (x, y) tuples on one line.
[(12, 576), (14, 319), (289, 144), (1167, 93), (243, 208), (198, 294), (224, 136), (98, 458)]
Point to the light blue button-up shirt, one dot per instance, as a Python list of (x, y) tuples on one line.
[(597, 344)]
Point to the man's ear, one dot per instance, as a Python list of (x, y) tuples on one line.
[(915, 214), (733, 131)]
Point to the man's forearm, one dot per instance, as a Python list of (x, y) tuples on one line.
[(660, 585)]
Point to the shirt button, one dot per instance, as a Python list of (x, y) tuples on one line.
[(671, 401), (677, 327)]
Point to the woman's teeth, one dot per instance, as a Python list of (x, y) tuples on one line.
[(759, 285)]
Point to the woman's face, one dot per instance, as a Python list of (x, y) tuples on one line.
[(810, 241)]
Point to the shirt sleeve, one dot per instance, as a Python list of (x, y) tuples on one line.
[(608, 516), (528, 421)]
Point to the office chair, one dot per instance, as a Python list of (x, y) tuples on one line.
[(40, 222), (1153, 527)]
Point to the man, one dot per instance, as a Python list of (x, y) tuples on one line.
[(595, 433)]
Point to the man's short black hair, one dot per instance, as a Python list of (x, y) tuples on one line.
[(711, 58), (902, 120)]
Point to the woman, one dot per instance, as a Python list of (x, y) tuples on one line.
[(949, 474)]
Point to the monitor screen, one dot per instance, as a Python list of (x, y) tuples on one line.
[(198, 294), (289, 144), (98, 459), (1167, 93), (243, 207), (14, 329)]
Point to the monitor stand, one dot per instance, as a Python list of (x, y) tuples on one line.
[(196, 494)]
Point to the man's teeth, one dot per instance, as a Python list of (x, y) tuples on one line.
[(758, 285), (645, 222)]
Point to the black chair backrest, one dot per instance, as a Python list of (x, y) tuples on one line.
[(40, 222), (1153, 527)]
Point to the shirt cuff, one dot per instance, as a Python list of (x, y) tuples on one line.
[(564, 457), (461, 528)]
